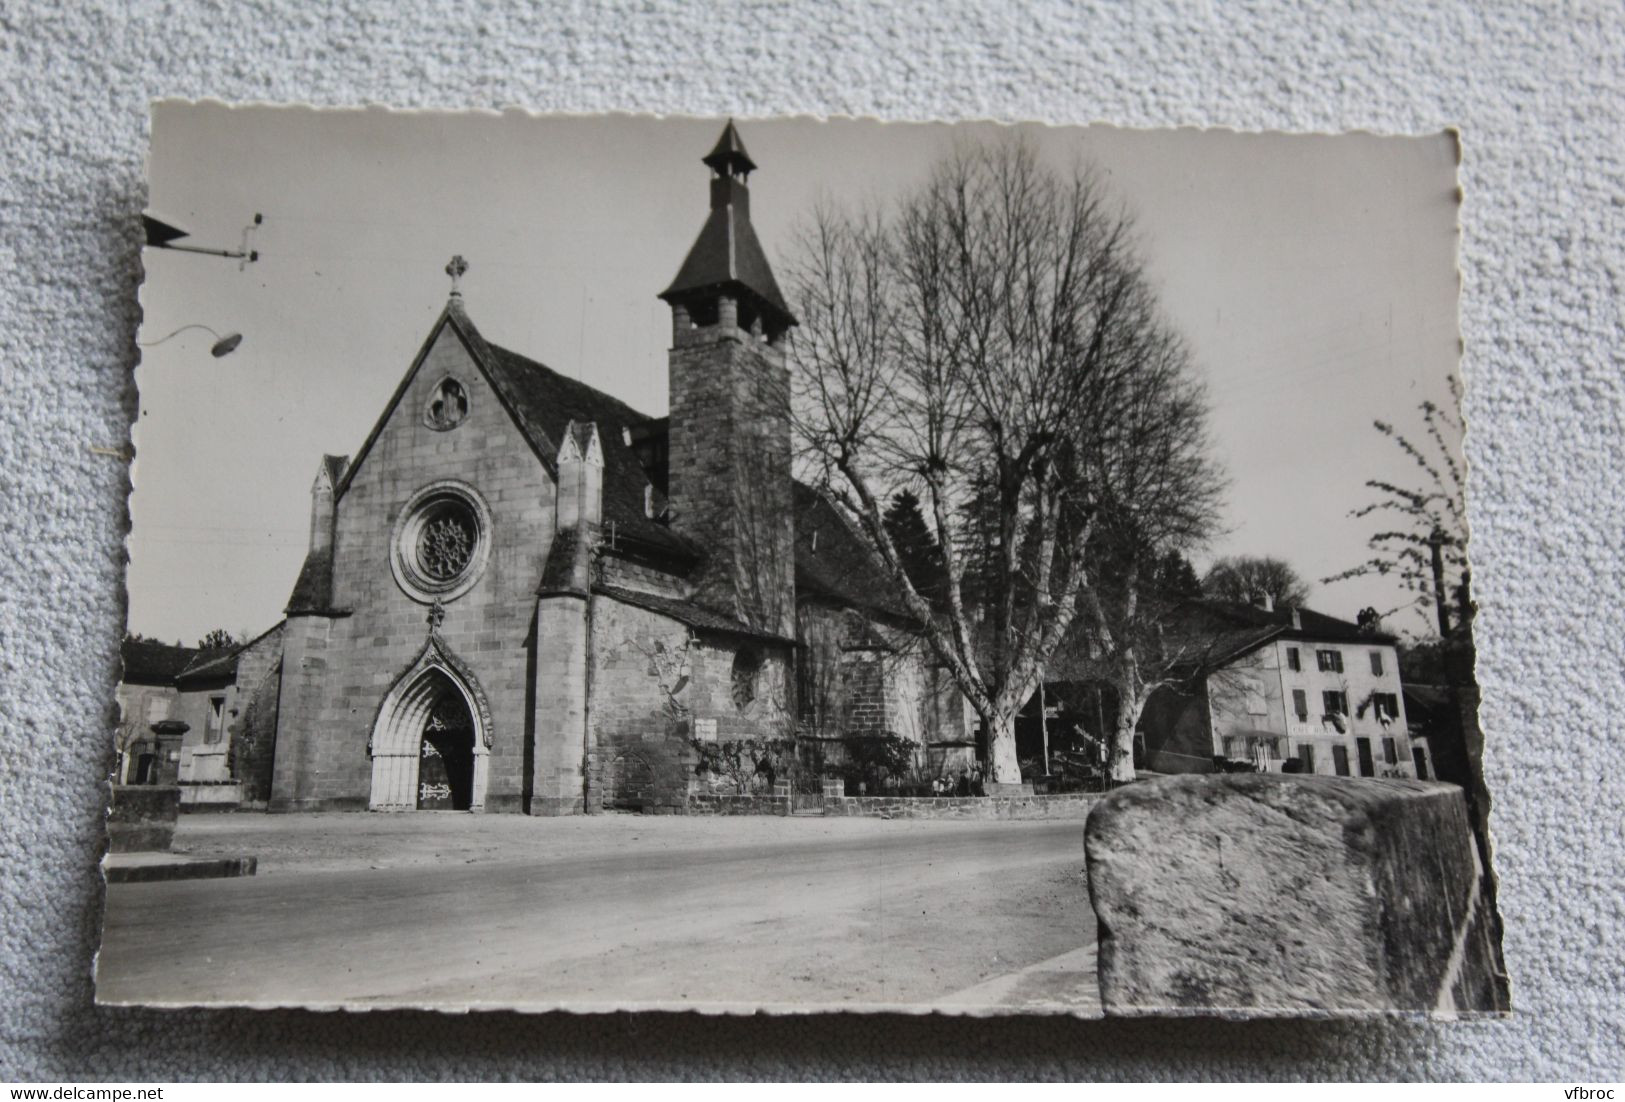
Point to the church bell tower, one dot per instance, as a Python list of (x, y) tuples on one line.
[(730, 488)]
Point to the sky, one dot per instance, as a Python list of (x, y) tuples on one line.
[(1313, 277)]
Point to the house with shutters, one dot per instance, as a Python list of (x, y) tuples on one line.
[(522, 594), (1282, 689), (200, 718), (147, 739)]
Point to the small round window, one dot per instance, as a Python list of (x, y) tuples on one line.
[(441, 541)]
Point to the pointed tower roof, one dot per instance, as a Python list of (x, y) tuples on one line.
[(727, 257), (728, 156)]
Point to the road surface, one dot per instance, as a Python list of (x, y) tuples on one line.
[(733, 913)]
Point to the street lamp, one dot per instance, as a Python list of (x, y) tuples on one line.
[(223, 346)]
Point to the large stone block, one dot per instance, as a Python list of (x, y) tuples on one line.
[(141, 818), (1269, 894)]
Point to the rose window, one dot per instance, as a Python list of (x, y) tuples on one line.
[(442, 538), (447, 544)]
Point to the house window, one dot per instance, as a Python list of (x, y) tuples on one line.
[(1390, 752), (1330, 661), (1306, 754), (1256, 703), (1340, 760), (1256, 748), (216, 728), (1362, 747), (1300, 704), (1293, 662), (1376, 663), (1334, 702)]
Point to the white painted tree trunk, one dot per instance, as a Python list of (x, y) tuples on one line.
[(1129, 707), (1001, 749)]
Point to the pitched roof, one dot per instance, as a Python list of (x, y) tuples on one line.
[(335, 465), (220, 663), (834, 562), (727, 253), (729, 152), (148, 662), (686, 612), (214, 663), (1311, 626), (313, 589), (545, 402), (542, 403), (1218, 632)]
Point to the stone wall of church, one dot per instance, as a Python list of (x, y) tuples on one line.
[(339, 671), (648, 579), (655, 685), (860, 679), (211, 748)]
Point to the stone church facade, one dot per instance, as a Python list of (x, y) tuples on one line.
[(521, 594)]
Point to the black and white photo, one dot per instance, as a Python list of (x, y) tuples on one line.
[(603, 563)]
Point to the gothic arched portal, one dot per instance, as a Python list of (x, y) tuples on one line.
[(429, 744)]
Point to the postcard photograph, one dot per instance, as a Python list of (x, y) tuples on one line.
[(605, 563)]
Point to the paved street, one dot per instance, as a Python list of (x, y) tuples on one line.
[(614, 911)]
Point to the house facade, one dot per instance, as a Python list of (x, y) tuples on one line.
[(521, 594), (228, 700), (147, 740), (1275, 687)]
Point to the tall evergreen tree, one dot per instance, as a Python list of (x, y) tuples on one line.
[(1177, 579), (917, 547)]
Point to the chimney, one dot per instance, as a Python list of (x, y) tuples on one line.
[(1266, 602), (1297, 621)]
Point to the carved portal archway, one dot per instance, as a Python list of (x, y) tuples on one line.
[(436, 685)]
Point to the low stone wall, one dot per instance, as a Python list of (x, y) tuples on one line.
[(1270, 894), (141, 817), (211, 797), (1072, 805), (1067, 806), (704, 803)]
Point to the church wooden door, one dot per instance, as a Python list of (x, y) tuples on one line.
[(446, 756)]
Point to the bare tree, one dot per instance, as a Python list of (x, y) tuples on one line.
[(1251, 578), (992, 345), (1423, 540), (218, 639)]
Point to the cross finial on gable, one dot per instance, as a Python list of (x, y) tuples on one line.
[(455, 268)]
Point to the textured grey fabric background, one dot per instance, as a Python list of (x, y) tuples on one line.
[(1537, 91)]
